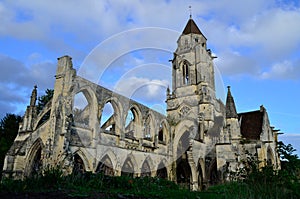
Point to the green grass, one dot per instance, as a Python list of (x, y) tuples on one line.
[(90, 184), (262, 184)]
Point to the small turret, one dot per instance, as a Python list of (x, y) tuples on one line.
[(30, 114), (33, 96), (230, 106), (232, 122)]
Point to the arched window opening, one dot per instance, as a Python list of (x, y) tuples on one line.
[(162, 134), (81, 110), (130, 118), (145, 171), (78, 165), (44, 118), (162, 171), (127, 169), (105, 167), (186, 78), (107, 122), (131, 123), (147, 128)]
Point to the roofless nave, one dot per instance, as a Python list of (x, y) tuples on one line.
[(196, 144)]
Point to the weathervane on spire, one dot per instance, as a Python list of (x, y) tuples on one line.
[(190, 9)]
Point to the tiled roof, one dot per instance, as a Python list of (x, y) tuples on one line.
[(251, 124), (191, 27)]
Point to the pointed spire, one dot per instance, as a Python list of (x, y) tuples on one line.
[(33, 96), (191, 27), (230, 106)]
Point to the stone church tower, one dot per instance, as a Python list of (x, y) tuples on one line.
[(194, 113), (197, 144)]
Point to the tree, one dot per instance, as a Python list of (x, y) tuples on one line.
[(290, 162), (44, 99), (9, 126)]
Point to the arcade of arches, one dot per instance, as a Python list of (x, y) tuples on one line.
[(86, 127)]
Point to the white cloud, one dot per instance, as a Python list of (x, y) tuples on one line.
[(233, 63), (283, 70), (150, 91), (277, 31), (247, 36), (262, 37), (17, 81)]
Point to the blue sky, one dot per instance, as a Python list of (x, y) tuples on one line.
[(257, 43)]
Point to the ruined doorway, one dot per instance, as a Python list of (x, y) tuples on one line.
[(78, 165), (183, 169), (105, 167), (162, 171), (200, 178), (145, 171), (213, 173), (35, 165), (127, 169), (183, 172)]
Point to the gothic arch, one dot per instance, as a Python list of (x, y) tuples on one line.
[(105, 166), (133, 126), (43, 116), (149, 126), (113, 157), (163, 132), (150, 162), (117, 114), (162, 171), (82, 161), (90, 116), (183, 169), (184, 66), (129, 167), (185, 126), (145, 170), (34, 159)]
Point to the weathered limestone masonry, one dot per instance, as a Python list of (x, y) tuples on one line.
[(197, 144)]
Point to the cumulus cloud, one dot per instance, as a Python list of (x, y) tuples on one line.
[(14, 72), (283, 70), (17, 81), (262, 36), (150, 92), (257, 38), (234, 63)]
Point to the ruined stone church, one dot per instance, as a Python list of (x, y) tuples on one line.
[(196, 144)]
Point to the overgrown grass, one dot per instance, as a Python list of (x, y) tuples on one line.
[(88, 184), (262, 183), (259, 184)]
